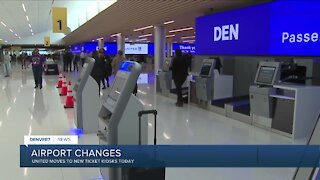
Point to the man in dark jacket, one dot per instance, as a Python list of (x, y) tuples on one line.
[(67, 58), (179, 69), (97, 70)]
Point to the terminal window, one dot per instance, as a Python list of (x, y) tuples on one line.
[(266, 74)]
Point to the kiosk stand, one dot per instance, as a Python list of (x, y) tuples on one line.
[(210, 85), (118, 115), (286, 108), (165, 77), (87, 100), (261, 104)]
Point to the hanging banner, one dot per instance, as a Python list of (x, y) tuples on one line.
[(46, 41), (59, 20)]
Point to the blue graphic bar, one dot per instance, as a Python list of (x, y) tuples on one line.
[(170, 156)]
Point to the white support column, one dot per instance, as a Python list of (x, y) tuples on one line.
[(121, 43), (169, 46), (101, 43), (160, 44)]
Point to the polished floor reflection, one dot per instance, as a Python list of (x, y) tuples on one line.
[(26, 111)]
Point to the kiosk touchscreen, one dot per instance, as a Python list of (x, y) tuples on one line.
[(204, 83), (118, 114), (268, 74), (87, 99), (207, 68)]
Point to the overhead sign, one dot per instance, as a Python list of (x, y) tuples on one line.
[(238, 32), (59, 20), (136, 48), (275, 28), (185, 48), (46, 41)]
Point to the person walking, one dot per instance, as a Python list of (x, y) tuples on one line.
[(107, 69), (38, 63), (97, 70), (67, 58), (179, 69), (82, 57), (75, 62), (7, 63), (23, 60)]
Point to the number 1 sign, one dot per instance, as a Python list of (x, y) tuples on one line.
[(59, 20)]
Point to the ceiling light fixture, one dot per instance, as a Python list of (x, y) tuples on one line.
[(30, 25), (24, 8), (19, 37), (10, 30), (179, 30), (27, 18), (32, 34), (168, 22), (143, 28), (146, 35), (172, 35), (189, 41), (31, 30), (188, 37), (6, 41), (3, 24), (115, 35), (16, 34), (143, 39)]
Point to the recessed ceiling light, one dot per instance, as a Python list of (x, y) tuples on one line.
[(189, 41), (172, 35), (31, 30), (16, 34), (32, 34), (188, 37), (143, 39), (168, 22), (114, 35), (6, 41), (27, 18), (19, 37), (179, 30), (3, 24), (24, 8), (10, 30), (30, 25), (143, 28), (146, 35)]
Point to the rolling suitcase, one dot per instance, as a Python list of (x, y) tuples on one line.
[(147, 173)]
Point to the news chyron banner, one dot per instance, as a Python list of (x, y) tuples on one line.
[(64, 151)]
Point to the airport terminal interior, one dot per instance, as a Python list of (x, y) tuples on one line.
[(243, 84)]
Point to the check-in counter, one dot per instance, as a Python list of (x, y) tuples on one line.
[(296, 108)]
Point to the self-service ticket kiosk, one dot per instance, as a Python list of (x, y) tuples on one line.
[(261, 103), (204, 83), (165, 77), (87, 101), (210, 84), (118, 124), (288, 108)]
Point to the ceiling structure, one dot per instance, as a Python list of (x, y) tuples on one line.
[(89, 19), (125, 16), (18, 14)]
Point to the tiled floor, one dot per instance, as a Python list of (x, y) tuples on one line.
[(24, 110)]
